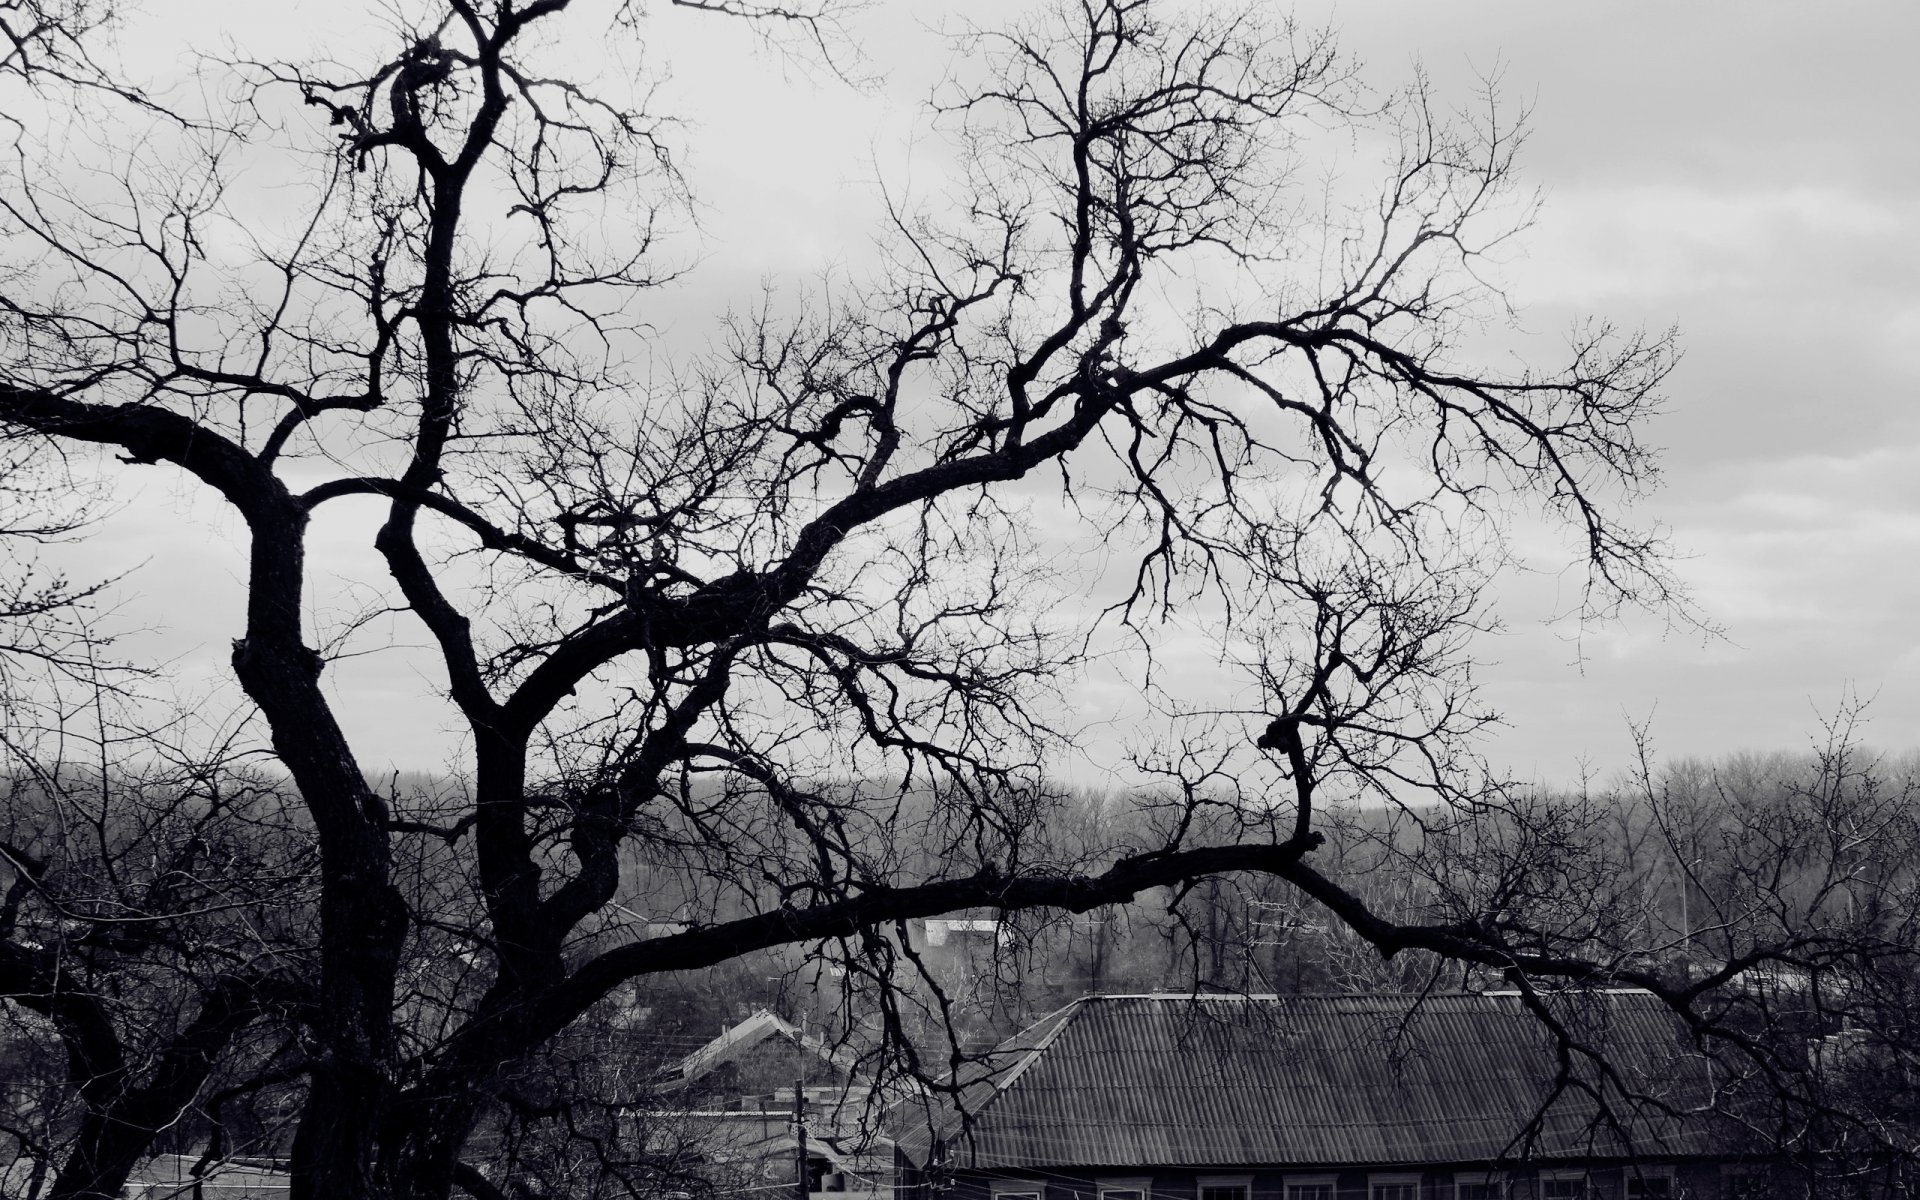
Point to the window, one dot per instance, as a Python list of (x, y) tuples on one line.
[(1227, 1187), (1125, 1189), (1744, 1183), (1308, 1187), (1563, 1186), (1393, 1187), (1478, 1186), (1650, 1184), (1017, 1189)]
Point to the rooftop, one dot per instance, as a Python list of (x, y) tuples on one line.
[(171, 1177), (762, 1026), (1181, 1080)]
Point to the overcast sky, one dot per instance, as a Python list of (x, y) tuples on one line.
[(1749, 172), (1746, 171)]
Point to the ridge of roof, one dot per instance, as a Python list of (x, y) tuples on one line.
[(998, 1081), (1066, 1013)]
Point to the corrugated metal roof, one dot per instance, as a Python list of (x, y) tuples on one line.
[(1119, 1081)]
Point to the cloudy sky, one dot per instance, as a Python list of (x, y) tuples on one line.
[(1749, 172), (1746, 171)]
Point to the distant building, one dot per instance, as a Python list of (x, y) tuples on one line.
[(171, 1177), (1456, 1097), (739, 1119), (755, 1151), (763, 1054), (938, 931)]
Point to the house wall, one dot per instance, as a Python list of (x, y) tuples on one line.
[(1695, 1180)]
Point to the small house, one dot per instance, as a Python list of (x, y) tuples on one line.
[(741, 1115), (761, 1055)]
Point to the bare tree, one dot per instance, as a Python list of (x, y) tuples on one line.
[(155, 912), (777, 619), (1767, 899), (45, 41), (1793, 916)]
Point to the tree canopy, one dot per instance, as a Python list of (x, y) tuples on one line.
[(790, 619)]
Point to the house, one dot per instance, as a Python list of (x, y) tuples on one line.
[(741, 1151), (939, 931), (760, 1055), (1439, 1097), (735, 1113)]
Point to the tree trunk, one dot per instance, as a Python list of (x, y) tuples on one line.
[(363, 917), (105, 1153), (422, 1154)]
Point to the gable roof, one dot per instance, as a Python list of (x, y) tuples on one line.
[(737, 1041), (1136, 1081)]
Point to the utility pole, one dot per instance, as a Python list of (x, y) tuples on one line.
[(799, 1140)]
